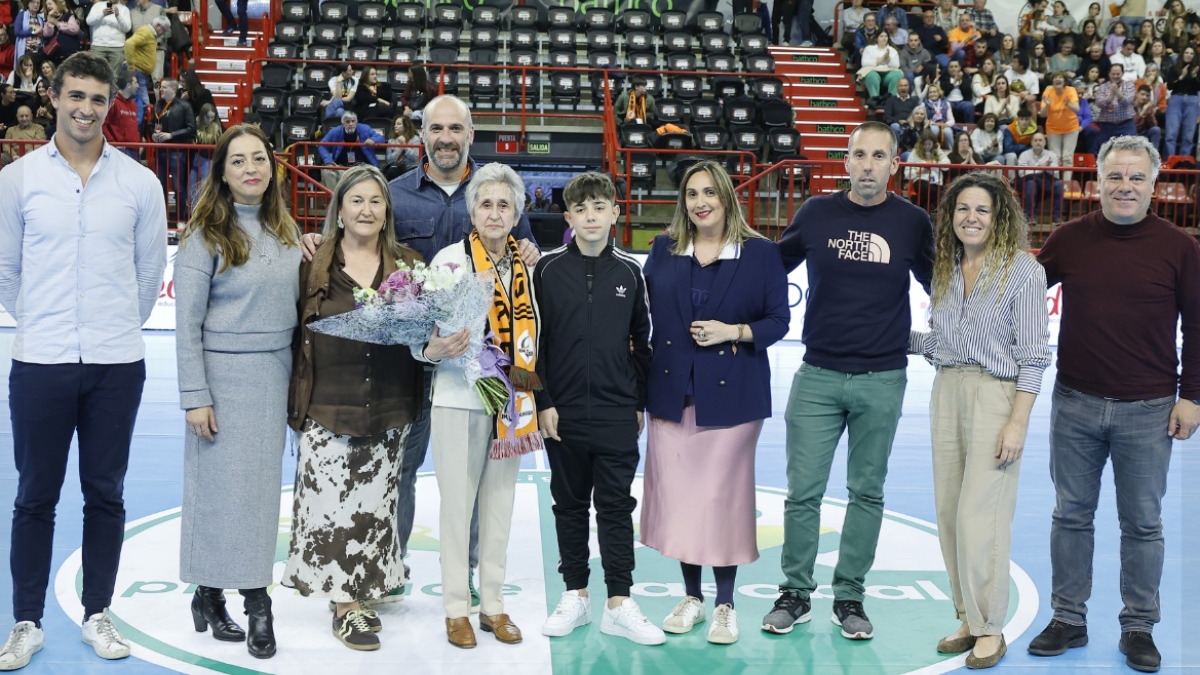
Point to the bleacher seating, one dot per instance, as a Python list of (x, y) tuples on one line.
[(713, 90)]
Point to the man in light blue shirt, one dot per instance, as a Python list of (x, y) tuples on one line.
[(82, 253)]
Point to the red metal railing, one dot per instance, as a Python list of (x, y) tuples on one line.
[(771, 195)]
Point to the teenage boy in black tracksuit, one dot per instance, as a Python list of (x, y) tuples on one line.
[(592, 363)]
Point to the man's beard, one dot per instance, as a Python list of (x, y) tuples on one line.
[(450, 165)]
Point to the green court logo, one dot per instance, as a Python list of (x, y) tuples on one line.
[(907, 599)]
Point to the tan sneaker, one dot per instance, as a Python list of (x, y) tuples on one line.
[(724, 627), (685, 616)]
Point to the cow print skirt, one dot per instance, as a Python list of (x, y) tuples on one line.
[(344, 531)]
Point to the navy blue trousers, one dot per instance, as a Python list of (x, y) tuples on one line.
[(49, 404)]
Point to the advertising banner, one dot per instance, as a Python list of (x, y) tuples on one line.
[(163, 317)]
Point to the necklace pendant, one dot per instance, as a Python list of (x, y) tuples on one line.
[(265, 258)]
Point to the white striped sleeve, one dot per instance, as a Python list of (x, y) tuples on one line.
[(1031, 332)]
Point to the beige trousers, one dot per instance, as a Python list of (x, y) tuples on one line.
[(975, 500), (461, 440)]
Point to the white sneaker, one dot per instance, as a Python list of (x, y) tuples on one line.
[(685, 616), (102, 635), (724, 627), (627, 621), (573, 611), (25, 640)]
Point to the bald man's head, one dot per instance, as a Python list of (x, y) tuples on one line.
[(24, 117)]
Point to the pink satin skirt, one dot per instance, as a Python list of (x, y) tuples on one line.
[(698, 491)]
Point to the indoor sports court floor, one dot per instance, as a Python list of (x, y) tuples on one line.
[(907, 594)]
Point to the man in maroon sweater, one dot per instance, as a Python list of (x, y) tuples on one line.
[(1127, 278)]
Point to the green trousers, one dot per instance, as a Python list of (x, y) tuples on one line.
[(822, 405)]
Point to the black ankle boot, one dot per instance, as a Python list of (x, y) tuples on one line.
[(260, 639), (208, 609)]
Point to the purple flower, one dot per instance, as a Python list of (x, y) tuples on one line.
[(400, 286)]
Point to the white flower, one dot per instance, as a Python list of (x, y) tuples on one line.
[(442, 277)]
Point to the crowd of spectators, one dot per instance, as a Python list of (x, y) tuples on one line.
[(953, 88), (137, 38)]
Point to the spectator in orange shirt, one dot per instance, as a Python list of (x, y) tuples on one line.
[(1019, 133), (1060, 107), (962, 38)]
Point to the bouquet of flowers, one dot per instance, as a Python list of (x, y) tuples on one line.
[(411, 301)]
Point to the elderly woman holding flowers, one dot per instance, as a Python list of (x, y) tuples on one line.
[(477, 453), (352, 404)]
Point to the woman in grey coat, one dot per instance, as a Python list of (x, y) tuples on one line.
[(236, 290)]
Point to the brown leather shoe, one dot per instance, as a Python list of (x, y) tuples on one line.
[(506, 631), (459, 633)]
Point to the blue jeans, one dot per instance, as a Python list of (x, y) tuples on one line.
[(201, 167), (1182, 112), (335, 108), (944, 60), (1036, 188), (1154, 135), (415, 449), (803, 19), (1087, 139), (1085, 431), (242, 22), (964, 112), (143, 95), (1113, 129), (178, 164)]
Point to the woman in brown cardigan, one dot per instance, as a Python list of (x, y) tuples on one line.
[(352, 404)]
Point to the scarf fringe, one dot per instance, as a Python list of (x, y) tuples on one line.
[(507, 448), (524, 380)]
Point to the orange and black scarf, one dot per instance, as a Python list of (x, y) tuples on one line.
[(513, 321)]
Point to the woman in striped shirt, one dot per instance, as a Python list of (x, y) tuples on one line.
[(989, 341)]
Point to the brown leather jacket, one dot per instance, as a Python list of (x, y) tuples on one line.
[(314, 285)]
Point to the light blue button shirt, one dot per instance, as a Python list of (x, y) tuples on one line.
[(80, 266)]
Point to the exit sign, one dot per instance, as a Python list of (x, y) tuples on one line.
[(539, 147), (506, 144)]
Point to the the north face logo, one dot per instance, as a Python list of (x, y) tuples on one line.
[(620, 291), (863, 246)]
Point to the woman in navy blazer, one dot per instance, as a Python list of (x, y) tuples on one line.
[(718, 300)]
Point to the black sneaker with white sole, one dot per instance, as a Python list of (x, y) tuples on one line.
[(850, 616), (354, 631), (789, 610)]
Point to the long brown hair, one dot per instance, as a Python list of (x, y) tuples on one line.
[(1008, 238), (215, 217), (737, 230), (208, 134)]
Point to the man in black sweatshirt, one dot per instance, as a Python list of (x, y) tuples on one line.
[(861, 246), (592, 363)]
